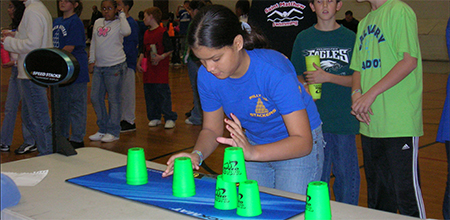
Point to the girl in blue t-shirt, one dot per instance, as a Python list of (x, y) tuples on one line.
[(68, 35), (269, 113)]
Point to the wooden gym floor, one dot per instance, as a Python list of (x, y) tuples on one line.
[(160, 143)]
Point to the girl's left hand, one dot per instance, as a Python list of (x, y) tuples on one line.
[(238, 138)]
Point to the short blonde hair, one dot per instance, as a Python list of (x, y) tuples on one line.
[(155, 12)]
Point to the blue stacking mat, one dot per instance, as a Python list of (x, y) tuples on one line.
[(158, 192)]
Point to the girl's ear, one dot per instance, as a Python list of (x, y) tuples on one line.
[(238, 42)]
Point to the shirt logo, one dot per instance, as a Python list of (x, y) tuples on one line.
[(282, 18), (260, 110), (103, 31)]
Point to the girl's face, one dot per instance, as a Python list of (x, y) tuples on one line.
[(11, 10), (67, 6), (224, 62), (108, 10)]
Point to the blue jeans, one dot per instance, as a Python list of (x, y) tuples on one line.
[(73, 111), (342, 155), (35, 114), (108, 80), (159, 102), (128, 96), (290, 175), (196, 113), (11, 106), (446, 205)]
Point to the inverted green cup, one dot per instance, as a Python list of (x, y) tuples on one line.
[(317, 201), (226, 195), (136, 167), (234, 165), (183, 178), (249, 203), (314, 89)]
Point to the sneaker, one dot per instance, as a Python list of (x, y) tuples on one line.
[(154, 123), (4, 148), (126, 126), (25, 148), (109, 138), (169, 124), (77, 144), (96, 137), (189, 122)]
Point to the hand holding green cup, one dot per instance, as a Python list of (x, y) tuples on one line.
[(314, 89)]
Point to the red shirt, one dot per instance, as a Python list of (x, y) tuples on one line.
[(160, 72)]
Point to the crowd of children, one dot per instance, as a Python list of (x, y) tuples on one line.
[(288, 138)]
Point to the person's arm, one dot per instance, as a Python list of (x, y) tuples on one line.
[(298, 144), (68, 48), (34, 34), (321, 76), (212, 128), (402, 69), (125, 28)]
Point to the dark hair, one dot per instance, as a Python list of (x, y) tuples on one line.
[(196, 4), (129, 3), (244, 5), (19, 8), (349, 13), (112, 1), (216, 26), (77, 10), (141, 15)]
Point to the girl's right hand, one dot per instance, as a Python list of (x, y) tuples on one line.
[(194, 158), (91, 67)]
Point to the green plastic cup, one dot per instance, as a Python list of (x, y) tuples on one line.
[(314, 89), (234, 165), (226, 195), (136, 167), (183, 178), (249, 203), (317, 201)]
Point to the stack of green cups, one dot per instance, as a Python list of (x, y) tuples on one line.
[(234, 172), (136, 167), (317, 201), (314, 89), (183, 178)]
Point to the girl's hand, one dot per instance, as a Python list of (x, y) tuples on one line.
[(195, 158), (238, 138), (317, 76), (91, 67)]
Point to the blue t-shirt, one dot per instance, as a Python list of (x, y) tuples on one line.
[(130, 44), (268, 90), (70, 31)]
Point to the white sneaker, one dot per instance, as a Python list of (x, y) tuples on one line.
[(154, 123), (96, 137), (109, 138), (169, 124), (187, 121)]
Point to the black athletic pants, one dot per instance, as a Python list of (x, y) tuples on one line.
[(392, 174)]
